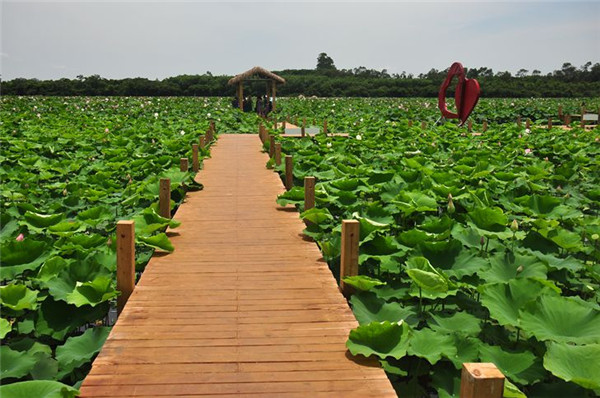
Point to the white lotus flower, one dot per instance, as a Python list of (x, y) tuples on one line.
[(156, 115), (182, 132), (527, 131), (329, 145), (358, 137)]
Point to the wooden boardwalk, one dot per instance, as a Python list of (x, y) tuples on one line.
[(243, 307)]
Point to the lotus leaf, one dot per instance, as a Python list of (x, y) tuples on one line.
[(38, 389), (367, 308), (576, 363), (383, 339), (78, 350), (431, 345), (18, 297)]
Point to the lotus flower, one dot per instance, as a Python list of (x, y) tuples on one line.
[(514, 226), (358, 137), (528, 151), (155, 115), (106, 130), (20, 238), (329, 145), (182, 132), (527, 131)]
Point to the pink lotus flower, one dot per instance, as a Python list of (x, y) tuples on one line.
[(527, 151), (20, 238)]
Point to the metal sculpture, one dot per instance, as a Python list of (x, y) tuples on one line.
[(465, 97)]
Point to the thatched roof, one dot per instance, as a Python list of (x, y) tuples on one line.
[(257, 70)]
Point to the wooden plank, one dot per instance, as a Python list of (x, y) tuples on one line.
[(237, 318)]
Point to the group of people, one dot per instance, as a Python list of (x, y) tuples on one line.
[(263, 105)]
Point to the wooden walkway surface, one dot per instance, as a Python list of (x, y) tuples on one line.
[(244, 306)]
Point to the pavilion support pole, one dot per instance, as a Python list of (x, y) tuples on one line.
[(274, 89), (241, 95)]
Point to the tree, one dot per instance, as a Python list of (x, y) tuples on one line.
[(522, 73), (325, 63)]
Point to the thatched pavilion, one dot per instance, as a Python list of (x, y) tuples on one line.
[(257, 73)]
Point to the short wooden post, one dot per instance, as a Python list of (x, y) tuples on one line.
[(271, 145), (274, 123), (410, 123), (481, 380), (278, 153), (289, 172), (582, 123), (125, 261), (261, 133), (485, 126), (325, 126), (519, 121), (349, 260), (309, 193), (303, 128), (183, 164), (582, 111), (201, 142), (549, 123), (164, 198), (212, 127), (560, 112), (470, 126), (195, 158), (527, 123), (567, 120), (423, 125), (284, 125)]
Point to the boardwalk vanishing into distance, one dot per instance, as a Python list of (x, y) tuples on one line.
[(244, 306)]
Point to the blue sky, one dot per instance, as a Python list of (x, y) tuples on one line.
[(157, 39)]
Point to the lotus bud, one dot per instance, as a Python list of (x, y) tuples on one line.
[(514, 226), (20, 238), (451, 208), (559, 188), (595, 236), (519, 269), (64, 192), (482, 241), (109, 242)]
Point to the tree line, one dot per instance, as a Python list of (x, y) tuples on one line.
[(328, 81)]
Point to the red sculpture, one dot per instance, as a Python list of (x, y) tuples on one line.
[(466, 96)]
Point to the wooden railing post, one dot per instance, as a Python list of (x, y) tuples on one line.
[(519, 121), (164, 198), (325, 126), (278, 153), (485, 125), (470, 126), (195, 158), (201, 142), (349, 260), (527, 123), (271, 145), (303, 128), (481, 380), (309, 193), (567, 120), (549, 123), (560, 112), (289, 172), (125, 261), (183, 164)]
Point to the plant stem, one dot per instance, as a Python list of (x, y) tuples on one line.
[(487, 242)]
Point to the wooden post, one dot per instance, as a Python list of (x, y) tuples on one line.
[(309, 193), (325, 126), (195, 158), (303, 129), (261, 133), (519, 121), (527, 123), (567, 120), (481, 380), (470, 126), (277, 153), (549, 123), (212, 127), (164, 198), (201, 142), (274, 90), (241, 95), (560, 112), (284, 125), (349, 260), (125, 261), (271, 145), (183, 164), (582, 123), (410, 123), (485, 125), (289, 175)]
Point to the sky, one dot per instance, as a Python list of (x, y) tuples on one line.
[(159, 39)]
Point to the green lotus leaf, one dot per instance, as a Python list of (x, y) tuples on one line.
[(566, 239), (380, 245), (19, 256), (561, 319), (177, 177), (425, 276), (8, 226), (570, 263), (441, 254), (383, 339), (512, 391), (149, 221), (539, 204), (5, 327), (51, 268), (522, 367), (42, 221), (294, 196), (467, 350), (95, 215), (362, 282), (367, 308), (66, 227), (87, 241), (413, 237), (57, 318), (506, 266), (15, 364), (489, 219), (468, 262), (46, 368), (158, 241), (431, 345), (92, 293), (38, 389), (75, 272), (410, 202), (504, 300), (575, 363), (459, 322), (346, 184), (376, 214), (79, 350), (317, 216), (18, 297), (437, 225)]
